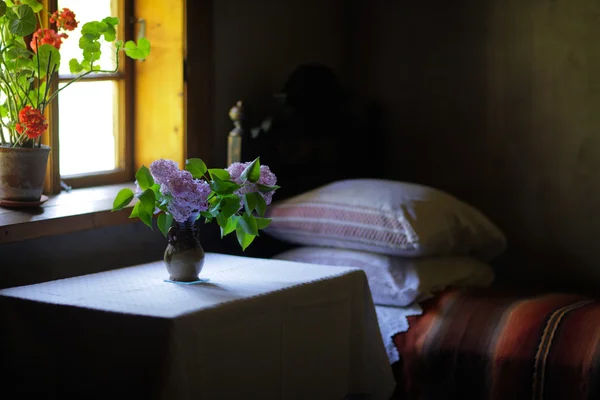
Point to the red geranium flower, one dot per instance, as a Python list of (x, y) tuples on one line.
[(32, 122), (47, 36), (64, 19)]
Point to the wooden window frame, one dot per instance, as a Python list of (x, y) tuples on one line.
[(198, 126), (125, 77)]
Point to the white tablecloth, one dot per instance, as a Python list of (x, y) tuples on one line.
[(260, 329)]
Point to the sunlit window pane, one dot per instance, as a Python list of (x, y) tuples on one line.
[(87, 127), (86, 11)]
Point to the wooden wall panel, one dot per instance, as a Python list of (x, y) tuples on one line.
[(159, 94), (498, 101), (257, 45)]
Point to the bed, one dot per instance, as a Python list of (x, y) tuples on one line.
[(498, 344), (449, 335)]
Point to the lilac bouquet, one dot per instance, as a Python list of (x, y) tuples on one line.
[(236, 197)]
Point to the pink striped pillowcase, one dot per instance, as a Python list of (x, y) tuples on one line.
[(387, 217)]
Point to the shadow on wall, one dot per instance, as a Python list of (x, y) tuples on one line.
[(80, 253), (87, 252)]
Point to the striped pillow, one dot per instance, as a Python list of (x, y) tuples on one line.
[(387, 217)]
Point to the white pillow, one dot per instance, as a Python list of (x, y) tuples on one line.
[(398, 281), (387, 217)]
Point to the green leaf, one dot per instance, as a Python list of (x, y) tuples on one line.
[(34, 4), (37, 96), (3, 111), (219, 174), (138, 51), (248, 223), (223, 187), (164, 222), (214, 208), (148, 200), (22, 22), (46, 59), (261, 205), (262, 223), (144, 178), (135, 212), (122, 199), (196, 167), (165, 200), (252, 172), (93, 29), (206, 215), (74, 66), (243, 238), (114, 21), (222, 221), (230, 227), (146, 217), (18, 57), (156, 189), (250, 202), (2, 8), (89, 44), (109, 31), (265, 188), (230, 204)]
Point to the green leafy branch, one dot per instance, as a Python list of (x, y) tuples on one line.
[(224, 201), (26, 76)]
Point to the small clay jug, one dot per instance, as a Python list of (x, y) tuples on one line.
[(184, 256)]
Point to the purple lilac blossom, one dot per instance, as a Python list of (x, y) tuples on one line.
[(266, 178), (188, 195), (163, 170)]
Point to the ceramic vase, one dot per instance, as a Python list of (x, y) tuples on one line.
[(184, 256)]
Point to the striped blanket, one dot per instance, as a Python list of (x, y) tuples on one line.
[(482, 345)]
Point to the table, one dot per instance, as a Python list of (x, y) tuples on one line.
[(259, 329)]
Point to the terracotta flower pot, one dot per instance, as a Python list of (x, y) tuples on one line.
[(22, 172)]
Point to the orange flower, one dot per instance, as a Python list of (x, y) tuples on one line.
[(64, 19), (32, 122), (47, 36)]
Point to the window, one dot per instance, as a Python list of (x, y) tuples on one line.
[(91, 117), (106, 126)]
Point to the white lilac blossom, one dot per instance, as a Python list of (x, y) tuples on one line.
[(163, 170), (267, 178), (187, 195)]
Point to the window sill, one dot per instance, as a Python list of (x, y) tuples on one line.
[(67, 212)]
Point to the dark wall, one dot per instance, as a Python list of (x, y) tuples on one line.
[(79, 253), (97, 250), (257, 45), (496, 101)]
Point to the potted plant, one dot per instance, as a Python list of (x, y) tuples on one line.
[(236, 198), (29, 61)]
